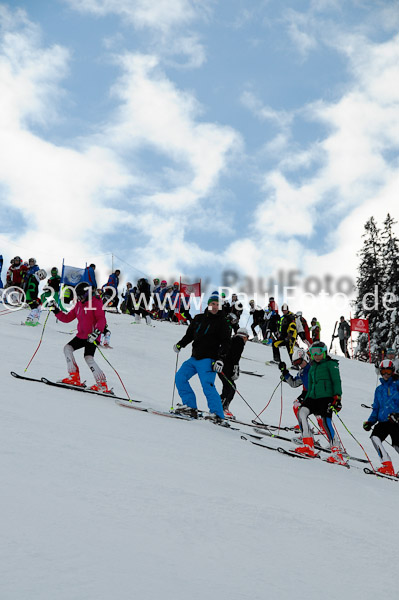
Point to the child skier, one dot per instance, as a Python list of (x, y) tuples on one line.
[(385, 415), (32, 297), (300, 360), (91, 324), (231, 370), (324, 394)]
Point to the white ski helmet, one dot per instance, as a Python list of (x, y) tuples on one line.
[(285, 307), (299, 354), (387, 364), (41, 274), (243, 332)]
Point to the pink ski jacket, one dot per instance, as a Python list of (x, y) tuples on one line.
[(88, 319)]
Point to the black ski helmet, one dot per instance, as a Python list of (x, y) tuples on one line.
[(82, 291)]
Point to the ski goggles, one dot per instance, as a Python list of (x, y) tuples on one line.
[(297, 362), (386, 371), (316, 351)]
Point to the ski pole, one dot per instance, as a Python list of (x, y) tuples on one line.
[(241, 396), (106, 359), (350, 433), (41, 337), (281, 411), (257, 416), (174, 383)]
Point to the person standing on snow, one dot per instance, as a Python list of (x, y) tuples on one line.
[(210, 335), (385, 415), (32, 296), (323, 395), (91, 324), (231, 369), (315, 330), (286, 335), (300, 360), (258, 317), (344, 332)]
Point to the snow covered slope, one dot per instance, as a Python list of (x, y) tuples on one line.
[(100, 502)]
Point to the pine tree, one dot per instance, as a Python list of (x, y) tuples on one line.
[(390, 264), (369, 286)]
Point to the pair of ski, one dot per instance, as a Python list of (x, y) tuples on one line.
[(271, 434), (73, 387), (131, 403), (291, 452), (294, 454), (202, 416)]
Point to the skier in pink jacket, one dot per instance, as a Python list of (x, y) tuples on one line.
[(91, 324)]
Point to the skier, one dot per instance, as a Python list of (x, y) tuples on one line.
[(32, 297), (231, 369), (210, 335), (237, 310), (303, 328), (344, 332), (258, 318), (315, 330), (91, 324), (324, 394), (112, 284), (270, 327), (300, 360), (141, 305), (385, 415), (286, 335), (128, 297), (33, 267)]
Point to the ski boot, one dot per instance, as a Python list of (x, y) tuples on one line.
[(187, 411), (73, 379), (336, 457), (387, 468), (217, 420), (101, 386), (307, 449)]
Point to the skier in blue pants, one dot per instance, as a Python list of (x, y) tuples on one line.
[(210, 335)]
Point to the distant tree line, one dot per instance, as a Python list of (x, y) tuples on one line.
[(377, 286)]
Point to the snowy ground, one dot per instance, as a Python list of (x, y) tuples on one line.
[(100, 502)]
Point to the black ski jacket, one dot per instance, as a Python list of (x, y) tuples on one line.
[(210, 335)]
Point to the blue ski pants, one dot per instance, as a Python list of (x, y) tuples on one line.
[(202, 368)]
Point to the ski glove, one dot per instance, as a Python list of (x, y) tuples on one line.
[(218, 366), (336, 403), (283, 368), (236, 373), (52, 305), (394, 418), (93, 336), (367, 425), (177, 348)]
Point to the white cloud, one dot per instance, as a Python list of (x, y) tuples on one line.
[(71, 198), (168, 20), (161, 14), (29, 75), (154, 113), (354, 176)]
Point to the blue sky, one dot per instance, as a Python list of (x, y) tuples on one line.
[(190, 136)]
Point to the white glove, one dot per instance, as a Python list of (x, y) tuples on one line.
[(236, 373), (93, 336), (218, 366), (177, 348)]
